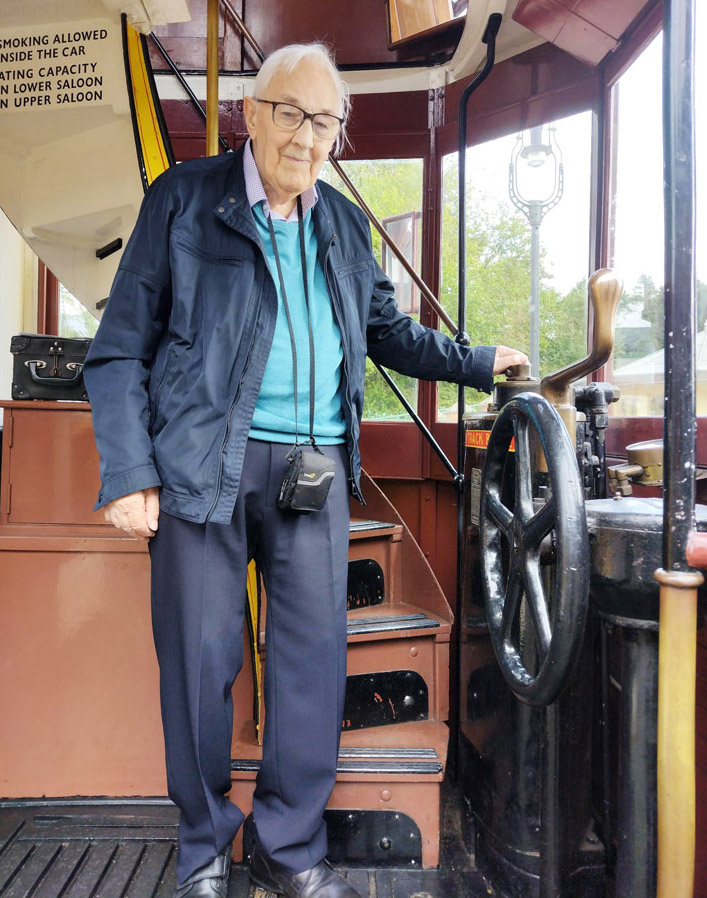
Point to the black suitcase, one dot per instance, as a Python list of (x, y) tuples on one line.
[(47, 367)]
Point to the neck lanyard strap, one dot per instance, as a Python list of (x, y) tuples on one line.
[(303, 257)]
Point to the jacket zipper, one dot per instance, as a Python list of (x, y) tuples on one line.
[(230, 413), (339, 318), (169, 359)]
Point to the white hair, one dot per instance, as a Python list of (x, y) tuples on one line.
[(286, 60)]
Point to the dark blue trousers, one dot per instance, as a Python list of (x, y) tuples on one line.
[(198, 607)]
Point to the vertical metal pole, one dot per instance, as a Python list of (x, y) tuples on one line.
[(679, 198), (489, 38), (678, 585), (212, 26), (535, 213), (636, 802), (607, 828), (552, 826)]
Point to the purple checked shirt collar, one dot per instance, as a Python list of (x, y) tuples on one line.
[(256, 192)]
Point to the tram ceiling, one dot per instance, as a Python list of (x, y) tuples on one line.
[(361, 37)]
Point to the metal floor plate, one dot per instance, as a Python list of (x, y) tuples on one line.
[(80, 849)]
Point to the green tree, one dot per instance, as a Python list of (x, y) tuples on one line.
[(390, 187), (498, 284), (497, 276)]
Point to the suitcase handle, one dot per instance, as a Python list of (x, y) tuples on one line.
[(76, 367)]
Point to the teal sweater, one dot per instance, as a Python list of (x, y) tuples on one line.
[(274, 417)]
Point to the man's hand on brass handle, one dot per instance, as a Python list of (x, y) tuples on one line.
[(506, 357), (136, 514)]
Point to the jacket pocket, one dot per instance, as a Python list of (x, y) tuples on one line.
[(341, 271), (200, 253), (170, 357)]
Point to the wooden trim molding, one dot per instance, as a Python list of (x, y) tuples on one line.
[(47, 301)]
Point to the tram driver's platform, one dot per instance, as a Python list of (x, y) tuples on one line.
[(123, 849)]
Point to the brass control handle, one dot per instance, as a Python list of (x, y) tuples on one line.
[(605, 289)]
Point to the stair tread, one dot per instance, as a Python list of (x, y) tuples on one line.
[(391, 620), (360, 528), (404, 620), (418, 748)]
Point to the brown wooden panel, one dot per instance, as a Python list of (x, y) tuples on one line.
[(79, 691), (408, 19), (50, 464)]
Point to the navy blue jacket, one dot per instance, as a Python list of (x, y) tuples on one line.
[(174, 371)]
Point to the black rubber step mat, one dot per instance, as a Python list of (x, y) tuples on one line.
[(123, 848)]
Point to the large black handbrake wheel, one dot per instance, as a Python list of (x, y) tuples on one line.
[(534, 556)]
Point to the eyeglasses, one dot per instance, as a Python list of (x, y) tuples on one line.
[(288, 117)]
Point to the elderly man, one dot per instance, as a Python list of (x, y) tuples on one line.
[(237, 327)]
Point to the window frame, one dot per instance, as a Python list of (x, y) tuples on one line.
[(553, 86), (624, 430)]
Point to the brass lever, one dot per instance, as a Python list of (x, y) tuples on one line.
[(605, 289)]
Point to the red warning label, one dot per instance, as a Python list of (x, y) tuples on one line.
[(479, 439)]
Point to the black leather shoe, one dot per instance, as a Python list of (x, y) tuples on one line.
[(321, 881), (209, 881)]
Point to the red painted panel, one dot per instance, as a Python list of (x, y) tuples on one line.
[(357, 32), (613, 18), (383, 114), (588, 29), (537, 86), (391, 450), (582, 40), (185, 42), (701, 823), (542, 69), (381, 126), (623, 431)]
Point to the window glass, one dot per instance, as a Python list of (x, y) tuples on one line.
[(636, 233), (393, 190), (552, 168), (635, 246), (75, 320)]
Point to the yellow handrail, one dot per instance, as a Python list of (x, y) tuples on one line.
[(677, 651), (212, 24)]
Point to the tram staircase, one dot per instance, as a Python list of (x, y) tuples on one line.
[(385, 807)]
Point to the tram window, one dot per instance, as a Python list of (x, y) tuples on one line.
[(393, 190), (499, 244), (635, 246), (74, 318)]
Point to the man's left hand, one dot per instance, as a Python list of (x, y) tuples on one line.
[(505, 357)]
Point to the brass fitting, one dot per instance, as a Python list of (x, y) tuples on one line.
[(644, 464)]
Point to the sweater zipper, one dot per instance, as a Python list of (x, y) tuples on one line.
[(338, 314)]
